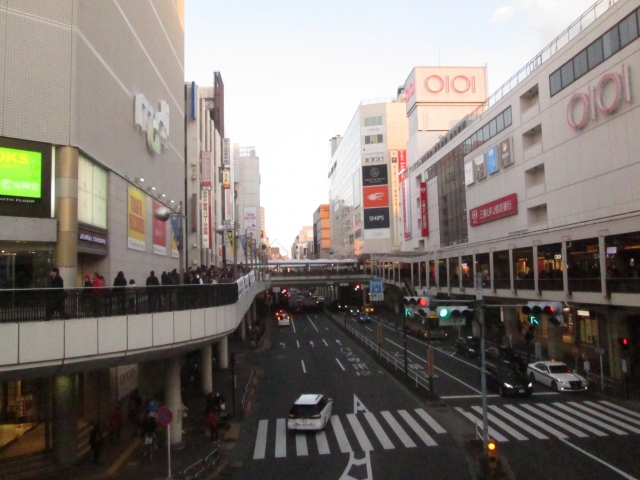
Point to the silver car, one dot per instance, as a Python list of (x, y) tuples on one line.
[(310, 412), (556, 375)]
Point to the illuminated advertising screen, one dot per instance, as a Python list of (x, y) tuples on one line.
[(25, 178), (20, 173)]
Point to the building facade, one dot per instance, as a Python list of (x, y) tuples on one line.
[(321, 233), (363, 178), (536, 194), (247, 179)]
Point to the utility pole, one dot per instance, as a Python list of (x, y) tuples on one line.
[(479, 311)]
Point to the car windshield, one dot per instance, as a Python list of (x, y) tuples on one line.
[(305, 411), (560, 368), (511, 374)]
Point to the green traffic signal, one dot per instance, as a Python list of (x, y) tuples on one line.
[(444, 313)]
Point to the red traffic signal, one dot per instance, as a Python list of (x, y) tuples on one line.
[(423, 302), (624, 343)]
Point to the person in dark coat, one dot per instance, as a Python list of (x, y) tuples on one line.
[(56, 300), (153, 293), (95, 442), (119, 285)]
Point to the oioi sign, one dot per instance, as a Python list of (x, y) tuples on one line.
[(599, 98), (155, 124)]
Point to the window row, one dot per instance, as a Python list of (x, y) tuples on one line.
[(372, 139), (618, 37), (372, 121)]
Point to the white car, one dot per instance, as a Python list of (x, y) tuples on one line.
[(310, 412), (556, 375), (284, 320)]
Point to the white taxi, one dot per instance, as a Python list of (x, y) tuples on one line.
[(556, 375), (310, 412), (284, 320)]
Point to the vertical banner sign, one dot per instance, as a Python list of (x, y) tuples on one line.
[(205, 209), (406, 205), (226, 154), (174, 248), (136, 217), (159, 233), (424, 216), (402, 160), (250, 220), (205, 171), (226, 178)]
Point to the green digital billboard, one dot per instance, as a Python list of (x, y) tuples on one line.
[(20, 173)]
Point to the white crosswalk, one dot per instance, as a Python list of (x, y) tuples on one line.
[(543, 421), (360, 432)]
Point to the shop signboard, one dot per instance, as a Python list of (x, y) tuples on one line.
[(159, 233), (376, 218), (250, 220), (489, 212), (481, 169), (205, 212), (205, 171), (226, 153), (92, 241), (402, 160), (374, 175), (469, 173), (226, 178), (406, 205), (506, 155), (25, 179), (376, 196), (491, 159), (136, 239), (424, 212)]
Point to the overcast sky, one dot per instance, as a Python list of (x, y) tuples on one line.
[(295, 72)]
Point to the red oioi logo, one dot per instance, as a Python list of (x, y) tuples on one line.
[(459, 84), (375, 196), (410, 90), (604, 98)]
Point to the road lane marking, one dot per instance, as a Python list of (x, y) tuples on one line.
[(475, 420), (323, 444), (121, 459), (617, 407), (325, 342), (430, 421), (301, 445), (604, 417), (281, 438), (536, 422), (368, 329), (261, 440), (363, 440), (340, 365), (511, 431), (424, 436), (385, 441), (569, 419), (314, 325), (515, 421), (298, 343), (617, 470), (341, 437), (303, 368), (439, 369), (555, 421), (592, 420), (398, 430), (293, 325), (610, 412), (454, 397)]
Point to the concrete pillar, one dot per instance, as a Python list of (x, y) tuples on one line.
[(223, 353), (173, 398), (242, 327), (66, 213), (206, 370), (96, 398), (536, 272), (511, 329), (65, 420), (554, 342)]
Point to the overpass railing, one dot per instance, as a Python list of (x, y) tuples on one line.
[(38, 304)]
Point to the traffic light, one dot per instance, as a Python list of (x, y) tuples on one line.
[(553, 310), (492, 453), (624, 344), (357, 287), (417, 305), (454, 312)]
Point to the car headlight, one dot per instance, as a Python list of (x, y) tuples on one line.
[(507, 385), (472, 350), (530, 385)]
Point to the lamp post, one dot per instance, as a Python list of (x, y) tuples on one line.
[(222, 230), (163, 214)]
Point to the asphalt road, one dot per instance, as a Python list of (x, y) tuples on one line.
[(381, 430)]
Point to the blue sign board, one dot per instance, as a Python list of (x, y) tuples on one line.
[(491, 158), (375, 286)]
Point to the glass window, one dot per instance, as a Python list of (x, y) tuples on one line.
[(550, 267), (379, 138), (501, 270), (566, 73), (594, 54), (583, 265), (485, 132), (500, 122), (611, 42), (493, 127), (507, 117), (367, 122), (628, 30), (92, 193), (555, 84), (580, 66), (474, 141)]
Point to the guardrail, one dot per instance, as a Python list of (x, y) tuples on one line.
[(199, 469), (388, 358), (246, 388)]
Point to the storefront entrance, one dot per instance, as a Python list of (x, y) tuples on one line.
[(25, 265)]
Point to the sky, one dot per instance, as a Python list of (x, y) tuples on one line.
[(295, 72)]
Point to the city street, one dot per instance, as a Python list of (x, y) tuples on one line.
[(378, 426)]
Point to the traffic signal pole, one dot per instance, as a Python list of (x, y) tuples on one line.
[(479, 312)]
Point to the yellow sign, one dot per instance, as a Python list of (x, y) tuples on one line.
[(136, 219), (174, 247), (230, 237)]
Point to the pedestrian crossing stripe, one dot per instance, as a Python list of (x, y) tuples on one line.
[(388, 431), (556, 420)]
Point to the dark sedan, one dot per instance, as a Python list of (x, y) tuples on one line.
[(468, 346), (508, 380)]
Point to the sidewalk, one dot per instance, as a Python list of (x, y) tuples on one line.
[(126, 461)]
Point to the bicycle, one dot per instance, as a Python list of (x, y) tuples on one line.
[(149, 446)]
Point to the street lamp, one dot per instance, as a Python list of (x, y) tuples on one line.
[(163, 214), (221, 230)]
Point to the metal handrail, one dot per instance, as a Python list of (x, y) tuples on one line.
[(246, 388)]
